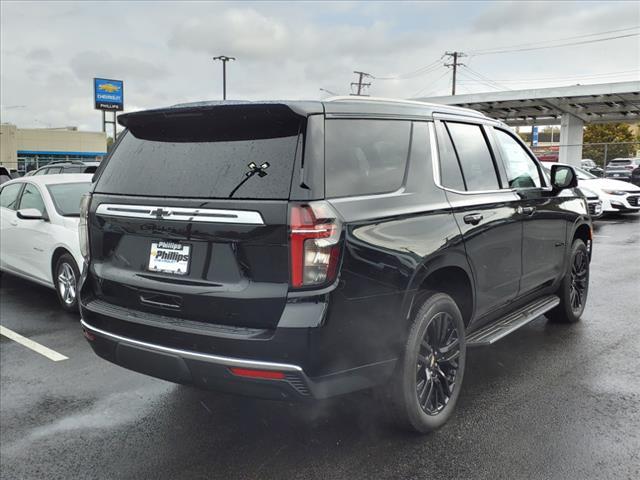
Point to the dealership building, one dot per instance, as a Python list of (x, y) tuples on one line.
[(23, 149)]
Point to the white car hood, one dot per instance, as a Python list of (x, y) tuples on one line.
[(607, 184)]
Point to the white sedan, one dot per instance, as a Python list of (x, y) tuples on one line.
[(39, 218), (617, 196)]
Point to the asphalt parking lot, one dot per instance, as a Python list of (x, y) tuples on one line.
[(548, 401)]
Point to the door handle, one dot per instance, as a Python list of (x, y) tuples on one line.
[(14, 223), (473, 218), (526, 210)]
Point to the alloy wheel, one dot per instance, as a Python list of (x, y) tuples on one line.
[(437, 364), (67, 283), (579, 281)]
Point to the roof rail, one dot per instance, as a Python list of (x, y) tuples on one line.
[(360, 98)]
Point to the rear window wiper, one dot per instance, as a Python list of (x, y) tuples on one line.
[(253, 170)]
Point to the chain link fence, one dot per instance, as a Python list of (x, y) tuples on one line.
[(600, 153)]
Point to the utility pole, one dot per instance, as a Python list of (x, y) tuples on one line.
[(360, 84), (224, 59), (454, 63)]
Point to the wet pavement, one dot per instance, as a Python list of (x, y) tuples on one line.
[(548, 401)]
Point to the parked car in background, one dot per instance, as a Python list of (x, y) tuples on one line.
[(39, 231), (616, 196), (635, 176), (66, 167), (302, 250), (621, 168), (593, 202), (5, 176), (591, 167)]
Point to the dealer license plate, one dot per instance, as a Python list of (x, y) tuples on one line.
[(169, 257)]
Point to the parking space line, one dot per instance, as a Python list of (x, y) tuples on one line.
[(35, 346)]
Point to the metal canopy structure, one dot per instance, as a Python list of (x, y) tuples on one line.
[(600, 103)]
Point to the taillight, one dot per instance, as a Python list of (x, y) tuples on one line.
[(314, 237), (83, 232), (251, 373)]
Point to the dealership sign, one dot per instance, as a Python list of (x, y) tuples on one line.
[(108, 94)]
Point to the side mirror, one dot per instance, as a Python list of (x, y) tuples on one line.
[(30, 214), (563, 176)]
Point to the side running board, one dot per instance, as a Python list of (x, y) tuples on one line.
[(494, 331)]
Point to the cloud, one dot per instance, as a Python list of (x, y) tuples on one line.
[(89, 64), (244, 32), (39, 55), (252, 36), (287, 50)]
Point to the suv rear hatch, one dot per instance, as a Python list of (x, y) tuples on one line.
[(188, 218)]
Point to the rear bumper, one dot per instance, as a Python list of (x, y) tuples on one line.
[(214, 372)]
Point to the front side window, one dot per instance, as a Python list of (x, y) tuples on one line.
[(474, 155), (9, 196), (520, 167), (365, 157), (31, 198)]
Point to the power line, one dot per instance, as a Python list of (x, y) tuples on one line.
[(414, 73), (479, 81), (528, 49), (433, 66), (474, 52), (568, 77), (446, 72), (485, 78)]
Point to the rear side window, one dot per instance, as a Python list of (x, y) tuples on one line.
[(364, 157), (474, 156), (219, 154), (450, 174), (66, 197), (9, 196)]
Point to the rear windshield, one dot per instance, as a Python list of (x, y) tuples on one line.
[(205, 155), (66, 197)]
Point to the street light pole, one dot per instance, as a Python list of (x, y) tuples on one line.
[(224, 59)]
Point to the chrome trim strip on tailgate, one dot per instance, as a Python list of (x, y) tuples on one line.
[(226, 361), (180, 214)]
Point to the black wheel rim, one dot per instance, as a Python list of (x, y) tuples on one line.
[(579, 280), (437, 364)]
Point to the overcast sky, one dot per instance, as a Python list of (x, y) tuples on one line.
[(50, 51)]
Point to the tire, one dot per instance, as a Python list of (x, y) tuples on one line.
[(421, 397), (574, 287), (65, 278)]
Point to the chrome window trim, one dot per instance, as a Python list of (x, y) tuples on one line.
[(435, 163), (217, 359), (180, 214)]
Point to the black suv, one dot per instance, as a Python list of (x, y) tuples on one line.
[(300, 250)]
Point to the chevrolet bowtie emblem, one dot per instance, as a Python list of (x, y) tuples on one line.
[(160, 213)]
